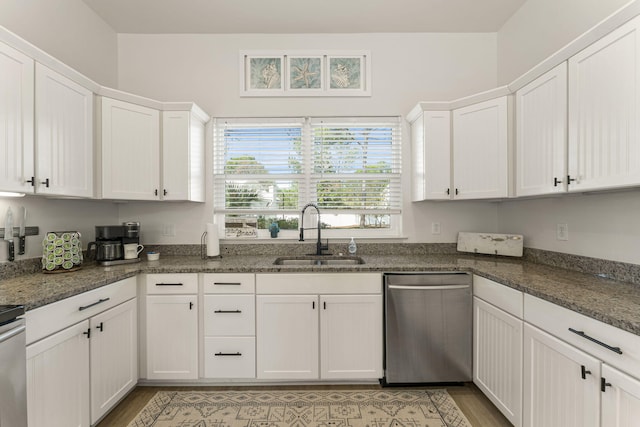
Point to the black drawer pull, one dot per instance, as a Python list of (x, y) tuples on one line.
[(169, 284), (584, 372), (227, 283), (228, 354), (228, 311), (604, 384), (100, 301), (585, 336)]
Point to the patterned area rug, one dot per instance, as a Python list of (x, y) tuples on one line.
[(370, 408)]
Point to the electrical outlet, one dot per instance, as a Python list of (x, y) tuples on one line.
[(562, 231), (169, 230), (435, 228)]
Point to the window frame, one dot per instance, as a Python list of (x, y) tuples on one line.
[(308, 178)]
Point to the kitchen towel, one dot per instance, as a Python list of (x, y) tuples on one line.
[(213, 242)]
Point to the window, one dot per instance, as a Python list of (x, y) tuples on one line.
[(267, 170)]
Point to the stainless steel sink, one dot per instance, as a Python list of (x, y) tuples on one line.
[(319, 260)]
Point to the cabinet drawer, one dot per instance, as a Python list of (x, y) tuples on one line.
[(229, 283), (45, 320), (557, 320), (181, 283), (229, 315), (499, 295), (230, 357)]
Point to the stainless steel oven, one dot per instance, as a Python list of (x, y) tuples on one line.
[(13, 368)]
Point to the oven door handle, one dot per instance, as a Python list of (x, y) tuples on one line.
[(12, 333), (428, 288)]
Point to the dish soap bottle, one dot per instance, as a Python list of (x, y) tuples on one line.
[(352, 247)]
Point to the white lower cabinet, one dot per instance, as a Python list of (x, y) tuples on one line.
[(171, 326), (58, 379), (562, 383), (82, 356), (620, 399), (497, 358), (306, 331), (578, 370), (114, 356), (287, 336)]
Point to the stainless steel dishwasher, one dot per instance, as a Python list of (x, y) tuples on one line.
[(13, 374), (428, 327)]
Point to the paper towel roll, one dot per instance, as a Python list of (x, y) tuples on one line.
[(213, 242)]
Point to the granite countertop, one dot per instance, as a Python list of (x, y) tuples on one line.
[(613, 302)]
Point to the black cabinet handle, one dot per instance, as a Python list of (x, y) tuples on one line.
[(32, 181), (324, 305), (556, 181), (313, 305), (155, 192), (228, 311), (604, 384), (164, 192), (45, 182), (457, 192), (448, 191), (169, 284), (100, 301), (569, 179), (585, 336), (100, 327), (228, 354), (227, 283), (88, 333), (190, 306), (584, 372)]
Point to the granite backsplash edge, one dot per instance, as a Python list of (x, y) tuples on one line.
[(615, 270)]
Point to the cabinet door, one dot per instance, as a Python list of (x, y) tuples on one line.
[(64, 135), (351, 336), (497, 358), (480, 150), (541, 134), (172, 337), (182, 157), (16, 120), (556, 393), (431, 156), (58, 379), (620, 399), (130, 151), (604, 112), (287, 336), (114, 356)]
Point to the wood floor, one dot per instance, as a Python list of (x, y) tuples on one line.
[(478, 409)]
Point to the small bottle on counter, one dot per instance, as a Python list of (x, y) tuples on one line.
[(352, 247)]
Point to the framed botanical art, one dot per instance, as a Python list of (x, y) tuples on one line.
[(305, 73)]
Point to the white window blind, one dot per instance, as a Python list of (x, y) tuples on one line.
[(274, 166)]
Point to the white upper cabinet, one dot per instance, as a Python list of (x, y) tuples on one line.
[(541, 134), (64, 136), (130, 152), (480, 150), (183, 156), (431, 155), (604, 112), (16, 120)]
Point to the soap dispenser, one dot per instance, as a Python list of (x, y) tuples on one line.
[(352, 247)]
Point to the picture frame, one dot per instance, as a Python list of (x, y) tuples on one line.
[(313, 73), (263, 73)]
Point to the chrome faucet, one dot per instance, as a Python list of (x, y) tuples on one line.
[(319, 246)]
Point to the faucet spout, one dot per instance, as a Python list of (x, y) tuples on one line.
[(319, 246)]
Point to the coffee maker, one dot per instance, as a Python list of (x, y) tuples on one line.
[(110, 241)]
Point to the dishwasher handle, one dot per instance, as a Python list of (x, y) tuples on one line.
[(429, 288), (12, 333)]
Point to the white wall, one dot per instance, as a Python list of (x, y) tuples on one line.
[(57, 215), (68, 30), (407, 68), (603, 225), (541, 27)]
